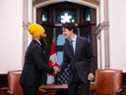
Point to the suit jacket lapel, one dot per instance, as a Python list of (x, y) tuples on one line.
[(77, 47), (70, 49)]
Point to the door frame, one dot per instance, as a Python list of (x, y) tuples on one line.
[(80, 2)]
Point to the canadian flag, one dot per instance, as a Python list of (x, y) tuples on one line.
[(52, 62)]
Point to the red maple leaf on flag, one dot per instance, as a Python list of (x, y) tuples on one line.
[(52, 62), (53, 59)]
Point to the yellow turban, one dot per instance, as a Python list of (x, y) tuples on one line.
[(36, 30)]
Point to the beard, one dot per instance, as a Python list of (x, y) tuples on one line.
[(45, 43), (43, 40)]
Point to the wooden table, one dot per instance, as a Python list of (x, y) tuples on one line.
[(52, 88)]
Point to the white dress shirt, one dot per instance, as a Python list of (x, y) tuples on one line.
[(74, 42)]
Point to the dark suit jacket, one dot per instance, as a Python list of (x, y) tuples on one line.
[(36, 65), (80, 60)]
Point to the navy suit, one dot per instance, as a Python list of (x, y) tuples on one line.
[(80, 65), (35, 68)]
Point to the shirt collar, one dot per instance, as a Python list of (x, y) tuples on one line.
[(38, 41), (74, 38)]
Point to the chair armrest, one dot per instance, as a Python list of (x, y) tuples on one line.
[(6, 91), (122, 91), (9, 92), (4, 88)]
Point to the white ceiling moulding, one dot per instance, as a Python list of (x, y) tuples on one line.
[(81, 2)]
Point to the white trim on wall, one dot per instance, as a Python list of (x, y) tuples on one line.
[(81, 2)]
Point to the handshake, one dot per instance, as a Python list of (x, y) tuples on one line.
[(56, 69)]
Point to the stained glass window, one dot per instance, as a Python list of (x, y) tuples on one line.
[(44, 17), (65, 17)]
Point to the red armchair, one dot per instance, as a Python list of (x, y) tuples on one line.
[(108, 82)]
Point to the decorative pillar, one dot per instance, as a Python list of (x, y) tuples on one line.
[(106, 34), (27, 18), (103, 35)]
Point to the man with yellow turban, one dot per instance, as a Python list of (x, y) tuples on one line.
[(37, 31), (36, 62)]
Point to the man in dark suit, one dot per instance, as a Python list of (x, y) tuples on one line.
[(77, 53), (36, 62)]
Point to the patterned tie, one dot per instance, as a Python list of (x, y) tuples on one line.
[(71, 43)]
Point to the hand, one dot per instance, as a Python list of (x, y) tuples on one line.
[(91, 76), (56, 69)]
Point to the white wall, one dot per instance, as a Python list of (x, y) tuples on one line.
[(11, 35), (117, 17)]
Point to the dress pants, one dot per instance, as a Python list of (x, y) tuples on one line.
[(76, 86), (27, 90)]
